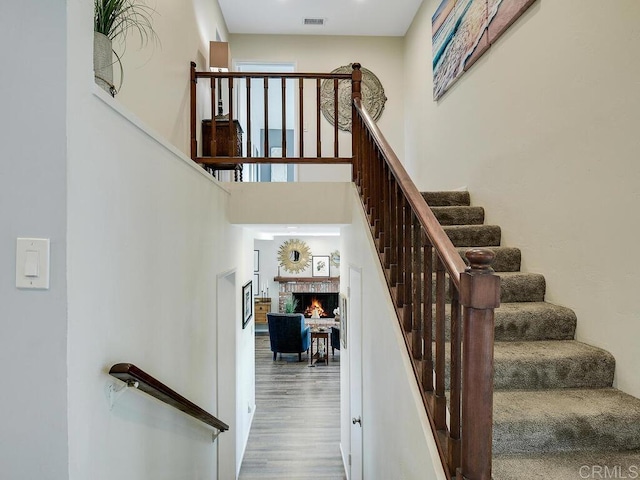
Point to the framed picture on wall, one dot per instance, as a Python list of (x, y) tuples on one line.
[(256, 282), (256, 260), (247, 303), (320, 266)]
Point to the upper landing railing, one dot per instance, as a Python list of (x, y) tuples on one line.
[(441, 303), (268, 96)]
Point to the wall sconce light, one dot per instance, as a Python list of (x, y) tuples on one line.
[(219, 61)]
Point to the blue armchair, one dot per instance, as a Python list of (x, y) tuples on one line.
[(288, 333)]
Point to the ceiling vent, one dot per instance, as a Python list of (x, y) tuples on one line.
[(314, 21)]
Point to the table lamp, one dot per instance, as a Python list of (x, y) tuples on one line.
[(219, 61)]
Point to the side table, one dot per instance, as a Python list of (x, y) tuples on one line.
[(322, 349)]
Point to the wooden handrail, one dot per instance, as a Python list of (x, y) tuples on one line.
[(417, 257), (131, 374), (441, 242)]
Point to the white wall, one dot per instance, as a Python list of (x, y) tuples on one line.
[(147, 238), (156, 79), (543, 131), (382, 55), (33, 342), (397, 438)]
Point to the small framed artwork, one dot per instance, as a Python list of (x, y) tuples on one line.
[(256, 260), (343, 320), (320, 266), (256, 282), (247, 303)]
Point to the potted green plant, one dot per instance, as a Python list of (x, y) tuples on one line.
[(116, 19), (290, 306)]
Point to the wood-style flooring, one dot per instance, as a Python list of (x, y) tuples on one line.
[(296, 427)]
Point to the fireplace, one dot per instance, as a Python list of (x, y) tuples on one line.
[(325, 303)]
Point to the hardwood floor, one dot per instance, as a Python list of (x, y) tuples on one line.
[(296, 427)]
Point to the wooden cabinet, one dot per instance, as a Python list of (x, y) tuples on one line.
[(222, 141), (262, 306), (222, 138)]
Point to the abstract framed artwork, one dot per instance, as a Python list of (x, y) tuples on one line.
[(463, 30), (256, 260), (320, 266), (247, 303), (256, 282)]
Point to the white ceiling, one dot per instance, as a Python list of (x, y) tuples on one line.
[(342, 17)]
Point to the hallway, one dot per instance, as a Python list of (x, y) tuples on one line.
[(296, 428)]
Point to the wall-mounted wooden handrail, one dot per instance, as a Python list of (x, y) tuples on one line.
[(129, 374)]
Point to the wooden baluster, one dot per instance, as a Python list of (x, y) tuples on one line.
[(267, 153), (194, 142), (357, 130), (393, 252), (480, 295), (366, 170), (249, 144), (233, 134), (335, 117), (441, 399), (284, 117), (455, 381), (388, 218), (301, 115), (400, 248), (407, 264), (418, 280), (384, 208), (213, 145), (318, 141), (427, 324)]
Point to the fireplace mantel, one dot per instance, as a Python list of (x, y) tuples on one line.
[(306, 279)]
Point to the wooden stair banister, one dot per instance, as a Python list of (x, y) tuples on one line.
[(417, 256)]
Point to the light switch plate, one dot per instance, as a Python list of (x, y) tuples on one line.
[(27, 274)]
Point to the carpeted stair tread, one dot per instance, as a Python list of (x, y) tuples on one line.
[(551, 364), (567, 466), (459, 215), (521, 287), (530, 321), (473, 235), (565, 420), (514, 287), (443, 199), (507, 258), (527, 321)]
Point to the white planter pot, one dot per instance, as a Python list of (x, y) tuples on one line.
[(103, 62)]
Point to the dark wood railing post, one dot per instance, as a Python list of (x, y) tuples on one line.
[(356, 130), (194, 142), (480, 295)]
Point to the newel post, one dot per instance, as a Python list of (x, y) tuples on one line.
[(194, 143), (480, 295), (356, 84)]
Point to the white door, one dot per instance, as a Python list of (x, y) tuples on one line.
[(354, 346)]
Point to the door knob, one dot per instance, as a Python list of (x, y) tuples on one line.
[(355, 420)]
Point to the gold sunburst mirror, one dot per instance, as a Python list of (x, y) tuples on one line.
[(294, 255)]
